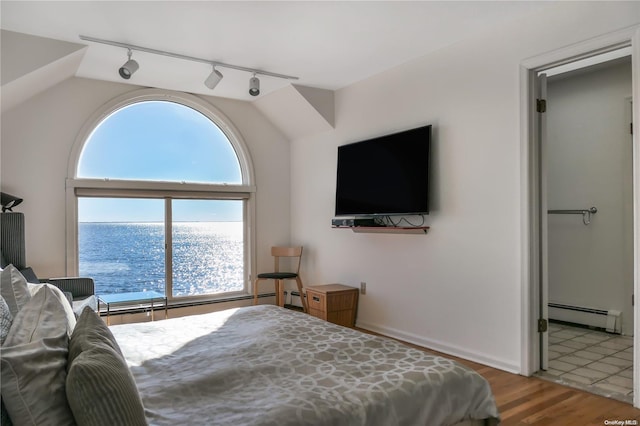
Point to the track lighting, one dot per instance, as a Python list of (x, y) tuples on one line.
[(214, 78), (254, 85), (129, 67)]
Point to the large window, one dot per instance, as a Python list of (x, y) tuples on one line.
[(162, 199)]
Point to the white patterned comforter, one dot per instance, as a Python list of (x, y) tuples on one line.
[(265, 365)]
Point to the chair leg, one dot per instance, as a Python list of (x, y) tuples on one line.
[(255, 291), (280, 293), (302, 299), (275, 289)]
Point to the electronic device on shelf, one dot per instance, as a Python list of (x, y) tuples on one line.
[(351, 222), (383, 176)]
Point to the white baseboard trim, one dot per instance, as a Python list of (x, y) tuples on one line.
[(442, 347)]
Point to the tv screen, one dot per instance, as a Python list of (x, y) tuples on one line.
[(388, 175)]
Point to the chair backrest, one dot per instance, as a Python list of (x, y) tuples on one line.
[(12, 245), (278, 252)]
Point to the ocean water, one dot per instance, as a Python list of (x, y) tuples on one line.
[(126, 257)]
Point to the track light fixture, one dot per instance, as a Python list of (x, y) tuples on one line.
[(214, 78), (129, 67), (254, 85)]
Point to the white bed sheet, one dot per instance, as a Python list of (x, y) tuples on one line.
[(266, 365)]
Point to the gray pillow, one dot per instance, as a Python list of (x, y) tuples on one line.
[(90, 331), (34, 363), (68, 309), (100, 388), (5, 420), (89, 301), (5, 324), (29, 275), (13, 287), (5, 320)]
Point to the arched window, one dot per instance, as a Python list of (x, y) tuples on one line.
[(159, 141), (160, 188)]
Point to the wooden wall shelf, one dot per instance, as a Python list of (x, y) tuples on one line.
[(387, 229)]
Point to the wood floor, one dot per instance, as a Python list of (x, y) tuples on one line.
[(534, 401)]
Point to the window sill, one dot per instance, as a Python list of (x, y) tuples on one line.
[(137, 308)]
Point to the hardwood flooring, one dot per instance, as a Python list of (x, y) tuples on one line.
[(534, 401)]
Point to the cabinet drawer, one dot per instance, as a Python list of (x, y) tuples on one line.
[(316, 300), (318, 313)]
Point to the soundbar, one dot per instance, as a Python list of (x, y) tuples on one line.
[(353, 222)]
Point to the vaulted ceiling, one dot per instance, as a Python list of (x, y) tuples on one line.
[(328, 45)]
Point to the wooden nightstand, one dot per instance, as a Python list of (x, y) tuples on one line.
[(335, 303)]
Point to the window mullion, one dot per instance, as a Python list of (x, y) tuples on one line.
[(168, 248)]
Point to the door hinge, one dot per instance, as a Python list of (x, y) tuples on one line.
[(541, 105), (631, 128), (633, 300), (542, 325)]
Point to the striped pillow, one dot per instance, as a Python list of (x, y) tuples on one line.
[(100, 388), (90, 331), (102, 391)]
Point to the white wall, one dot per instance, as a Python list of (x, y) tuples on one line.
[(457, 289), (37, 137), (589, 159)]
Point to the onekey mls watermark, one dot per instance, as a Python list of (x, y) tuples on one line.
[(621, 422)]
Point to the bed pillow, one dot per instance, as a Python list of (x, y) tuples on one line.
[(64, 300), (90, 331), (5, 320), (5, 324), (102, 391), (13, 288), (68, 309), (100, 388), (34, 363), (29, 275)]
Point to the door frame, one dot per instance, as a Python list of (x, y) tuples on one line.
[(530, 200)]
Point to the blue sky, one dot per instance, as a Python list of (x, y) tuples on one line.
[(158, 140)]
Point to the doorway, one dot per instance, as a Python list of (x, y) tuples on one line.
[(587, 156), (570, 235)]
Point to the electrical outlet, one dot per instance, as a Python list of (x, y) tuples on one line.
[(363, 288)]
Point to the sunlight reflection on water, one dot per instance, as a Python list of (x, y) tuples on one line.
[(122, 257)]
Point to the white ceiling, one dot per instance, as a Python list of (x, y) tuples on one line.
[(328, 45)]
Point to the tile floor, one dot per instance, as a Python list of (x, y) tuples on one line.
[(595, 361)]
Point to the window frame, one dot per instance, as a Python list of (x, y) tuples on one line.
[(120, 188)]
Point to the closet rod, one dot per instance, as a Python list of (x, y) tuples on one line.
[(592, 210), (586, 213)]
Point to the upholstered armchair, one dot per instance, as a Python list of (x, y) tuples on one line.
[(79, 291)]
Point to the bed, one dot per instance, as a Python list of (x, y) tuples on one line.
[(273, 366), (259, 365)]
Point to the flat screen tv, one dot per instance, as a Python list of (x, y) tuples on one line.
[(387, 175)]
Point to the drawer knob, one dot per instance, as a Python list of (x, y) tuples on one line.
[(316, 299)]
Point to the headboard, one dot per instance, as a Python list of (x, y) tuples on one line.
[(12, 239)]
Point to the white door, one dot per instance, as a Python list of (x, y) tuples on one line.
[(543, 314)]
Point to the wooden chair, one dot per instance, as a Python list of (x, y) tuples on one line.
[(280, 277)]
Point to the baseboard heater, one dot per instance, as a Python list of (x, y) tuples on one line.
[(293, 298), (610, 320)]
